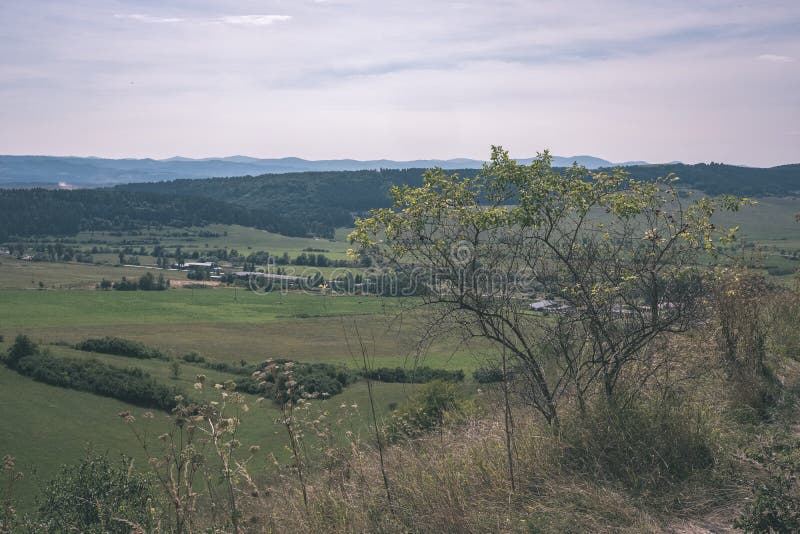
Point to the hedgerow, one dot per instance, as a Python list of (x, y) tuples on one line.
[(129, 385), (121, 347), (416, 375)]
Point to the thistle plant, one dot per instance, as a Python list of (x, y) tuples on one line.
[(279, 382), (221, 420), (176, 458)]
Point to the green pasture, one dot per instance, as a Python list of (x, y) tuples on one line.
[(47, 426), (241, 238), (233, 324), (16, 274)]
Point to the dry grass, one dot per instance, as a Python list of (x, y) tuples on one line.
[(456, 481)]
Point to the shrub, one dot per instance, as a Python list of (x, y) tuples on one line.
[(96, 496), (146, 282), (487, 375), (645, 446), (755, 398), (193, 357), (121, 347), (321, 378), (175, 369), (427, 410), (416, 375), (775, 270), (9, 477), (126, 285), (775, 506), (23, 347), (312, 378)]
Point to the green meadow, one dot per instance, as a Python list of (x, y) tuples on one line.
[(16, 274), (230, 324), (241, 238), (47, 426)]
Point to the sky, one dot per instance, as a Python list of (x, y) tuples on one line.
[(688, 80)]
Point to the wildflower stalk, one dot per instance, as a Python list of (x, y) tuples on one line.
[(284, 390), (287, 409), (8, 514), (378, 439), (218, 426)]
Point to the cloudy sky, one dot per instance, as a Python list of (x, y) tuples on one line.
[(690, 80)]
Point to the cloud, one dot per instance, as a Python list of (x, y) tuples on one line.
[(774, 58), (688, 79), (149, 18), (235, 20), (254, 20)]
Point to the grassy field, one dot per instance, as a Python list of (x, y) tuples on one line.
[(229, 325), (770, 221), (17, 274), (46, 426), (236, 237)]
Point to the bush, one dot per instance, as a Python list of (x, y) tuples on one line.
[(96, 496), (755, 398), (312, 378), (644, 446), (416, 375), (148, 282), (775, 506), (126, 285), (193, 357), (775, 270), (321, 378), (23, 347), (121, 347), (487, 375), (427, 410)]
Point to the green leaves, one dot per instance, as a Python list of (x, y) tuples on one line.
[(536, 197)]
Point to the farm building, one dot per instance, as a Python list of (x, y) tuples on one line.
[(549, 305)]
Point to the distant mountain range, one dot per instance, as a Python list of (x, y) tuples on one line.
[(92, 172)]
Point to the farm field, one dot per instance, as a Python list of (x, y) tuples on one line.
[(770, 221), (236, 237), (228, 325), (17, 274)]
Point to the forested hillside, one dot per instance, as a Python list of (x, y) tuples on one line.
[(718, 178), (337, 192), (297, 204), (327, 198), (329, 191), (29, 212)]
